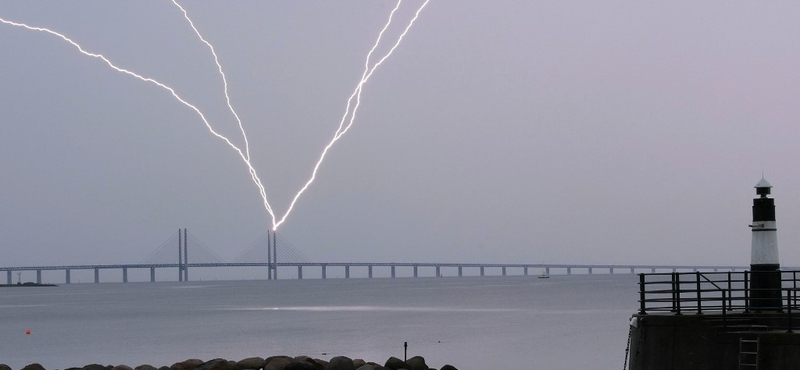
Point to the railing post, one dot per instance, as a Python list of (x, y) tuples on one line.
[(730, 296), (699, 295), (724, 312), (677, 292), (642, 306), (746, 291), (789, 310)]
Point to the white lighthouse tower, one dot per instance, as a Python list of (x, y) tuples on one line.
[(765, 278)]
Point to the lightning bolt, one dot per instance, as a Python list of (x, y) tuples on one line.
[(357, 94), (113, 66), (245, 155)]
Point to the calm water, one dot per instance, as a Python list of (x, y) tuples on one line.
[(565, 322)]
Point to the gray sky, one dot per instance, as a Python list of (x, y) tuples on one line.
[(508, 131)]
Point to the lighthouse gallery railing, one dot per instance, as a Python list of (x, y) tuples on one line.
[(717, 293)]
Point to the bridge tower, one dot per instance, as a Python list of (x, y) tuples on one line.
[(765, 280)]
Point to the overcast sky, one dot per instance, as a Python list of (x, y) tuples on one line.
[(505, 131)]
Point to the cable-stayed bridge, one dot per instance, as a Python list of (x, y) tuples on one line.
[(271, 252)]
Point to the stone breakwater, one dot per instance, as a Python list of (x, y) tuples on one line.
[(269, 363)]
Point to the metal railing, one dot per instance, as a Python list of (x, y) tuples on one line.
[(717, 293)]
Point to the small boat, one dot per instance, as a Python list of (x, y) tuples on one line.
[(544, 276)]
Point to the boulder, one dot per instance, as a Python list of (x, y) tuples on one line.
[(366, 367), (251, 363), (189, 364), (34, 366), (358, 363), (322, 363), (96, 367), (416, 363), (145, 367), (448, 367), (300, 365), (5, 367), (164, 368), (216, 364), (395, 363), (340, 363), (314, 364), (277, 362), (121, 367)]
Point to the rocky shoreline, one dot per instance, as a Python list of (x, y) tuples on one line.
[(269, 363)]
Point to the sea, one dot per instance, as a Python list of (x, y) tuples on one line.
[(564, 322)]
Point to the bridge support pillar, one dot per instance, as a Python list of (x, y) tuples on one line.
[(124, 274), (460, 271), (347, 271), (8, 277), (415, 271), (392, 271), (547, 271), (299, 272), (67, 279), (504, 271), (481, 270), (369, 271), (438, 271), (632, 272), (38, 276), (653, 270), (525, 270), (590, 270), (611, 270), (324, 271), (569, 270), (152, 274), (96, 276)]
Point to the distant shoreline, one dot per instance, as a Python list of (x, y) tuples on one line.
[(23, 285)]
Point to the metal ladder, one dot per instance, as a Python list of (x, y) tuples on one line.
[(748, 353)]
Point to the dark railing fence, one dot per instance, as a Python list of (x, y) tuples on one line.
[(718, 293)]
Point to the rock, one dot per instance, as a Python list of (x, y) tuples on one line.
[(5, 367), (314, 364), (96, 367), (395, 363), (359, 363), (366, 367), (216, 364), (164, 368), (340, 363), (277, 362), (322, 363), (34, 366), (448, 367), (145, 367), (299, 365), (189, 364), (251, 363), (121, 367), (416, 363)]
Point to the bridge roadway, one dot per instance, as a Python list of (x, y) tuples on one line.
[(567, 268)]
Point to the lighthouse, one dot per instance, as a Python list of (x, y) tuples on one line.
[(765, 275)]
